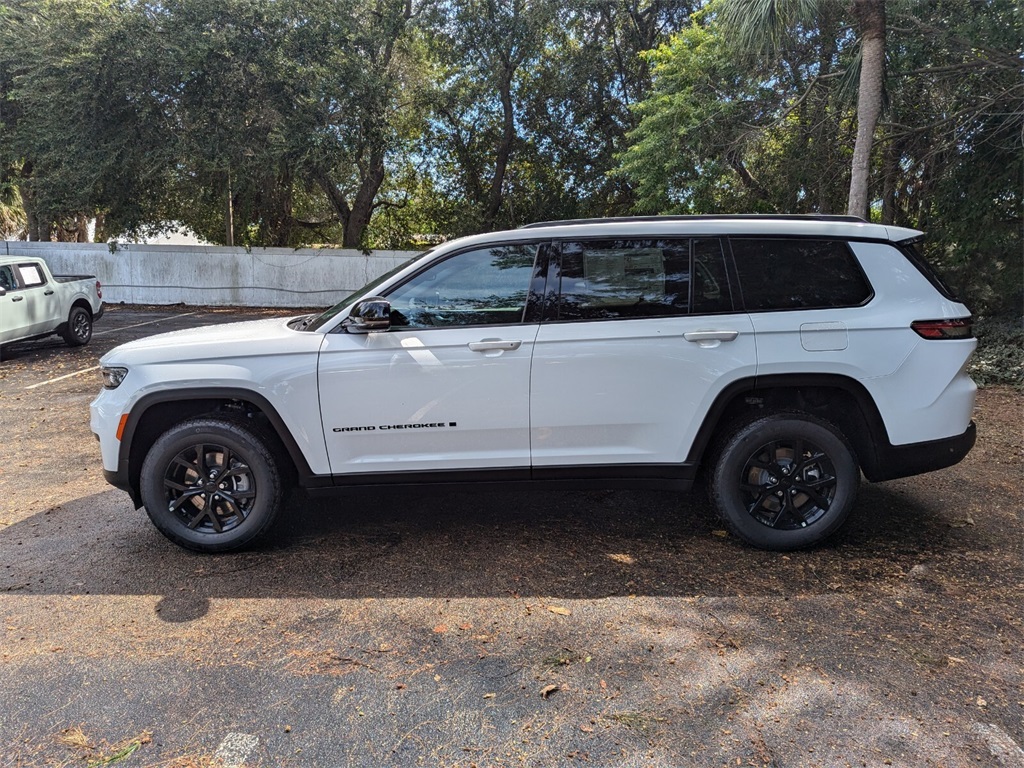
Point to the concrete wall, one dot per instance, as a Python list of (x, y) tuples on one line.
[(215, 276)]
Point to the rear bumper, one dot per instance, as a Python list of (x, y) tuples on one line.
[(893, 461)]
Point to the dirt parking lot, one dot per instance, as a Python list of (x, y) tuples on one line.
[(519, 628)]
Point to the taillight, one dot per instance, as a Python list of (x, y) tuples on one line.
[(99, 290), (943, 329)]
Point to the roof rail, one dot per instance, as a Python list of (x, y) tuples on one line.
[(702, 217)]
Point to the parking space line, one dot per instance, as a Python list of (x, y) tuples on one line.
[(138, 325), (61, 378)]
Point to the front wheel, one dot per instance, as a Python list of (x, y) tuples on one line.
[(785, 482), (210, 485), (78, 331)]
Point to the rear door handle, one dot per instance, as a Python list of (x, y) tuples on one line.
[(490, 345), (699, 336)]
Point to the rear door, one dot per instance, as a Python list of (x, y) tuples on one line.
[(42, 304), (639, 338)]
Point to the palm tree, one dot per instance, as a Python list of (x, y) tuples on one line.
[(760, 25)]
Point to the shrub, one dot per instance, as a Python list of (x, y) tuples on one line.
[(1000, 355)]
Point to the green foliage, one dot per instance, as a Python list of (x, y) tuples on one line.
[(390, 123), (730, 126), (1000, 355)]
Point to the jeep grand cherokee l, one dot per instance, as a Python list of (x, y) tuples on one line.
[(786, 355)]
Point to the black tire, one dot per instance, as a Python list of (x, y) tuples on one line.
[(785, 481), (78, 330), (211, 485)]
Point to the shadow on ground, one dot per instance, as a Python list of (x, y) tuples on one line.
[(438, 543)]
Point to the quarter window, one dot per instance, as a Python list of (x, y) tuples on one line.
[(798, 274), (488, 286)]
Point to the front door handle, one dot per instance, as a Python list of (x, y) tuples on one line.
[(17, 298), (490, 345), (699, 336), (48, 293)]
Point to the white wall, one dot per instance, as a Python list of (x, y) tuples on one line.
[(215, 276)]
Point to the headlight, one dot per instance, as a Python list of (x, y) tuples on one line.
[(112, 377)]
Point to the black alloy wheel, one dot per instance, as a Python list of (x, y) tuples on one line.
[(788, 484), (78, 331), (209, 488), (785, 481), (211, 484)]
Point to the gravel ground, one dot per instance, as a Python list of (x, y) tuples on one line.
[(520, 628)]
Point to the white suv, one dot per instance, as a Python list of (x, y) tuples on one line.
[(784, 354)]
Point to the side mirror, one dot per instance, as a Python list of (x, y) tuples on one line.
[(3, 291), (372, 314)]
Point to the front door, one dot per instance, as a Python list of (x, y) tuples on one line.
[(448, 386), (14, 310)]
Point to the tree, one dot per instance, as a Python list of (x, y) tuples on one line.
[(763, 27)]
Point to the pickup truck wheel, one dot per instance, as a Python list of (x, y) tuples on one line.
[(786, 481), (210, 485), (78, 331)]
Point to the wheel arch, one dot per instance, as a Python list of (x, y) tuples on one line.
[(156, 412), (837, 399), (82, 302)]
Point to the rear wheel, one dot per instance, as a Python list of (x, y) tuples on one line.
[(78, 331), (210, 485), (786, 481)]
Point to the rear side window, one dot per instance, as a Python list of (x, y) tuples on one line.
[(31, 275), (611, 279), (779, 274)]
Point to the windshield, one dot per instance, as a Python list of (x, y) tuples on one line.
[(318, 321)]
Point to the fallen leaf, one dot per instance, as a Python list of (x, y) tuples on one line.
[(622, 558), (559, 610), (441, 629), (547, 690), (720, 534), (490, 695)]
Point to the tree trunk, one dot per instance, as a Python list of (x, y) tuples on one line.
[(362, 205), (504, 151), (870, 15)]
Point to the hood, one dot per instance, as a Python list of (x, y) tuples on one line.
[(220, 342)]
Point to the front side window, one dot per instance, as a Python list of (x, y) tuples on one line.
[(777, 274), (7, 281), (611, 279), (486, 286)]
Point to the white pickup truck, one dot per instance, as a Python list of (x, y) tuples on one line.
[(36, 303)]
